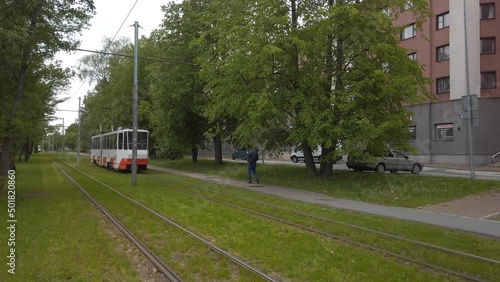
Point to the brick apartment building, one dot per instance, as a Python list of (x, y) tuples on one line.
[(440, 128)]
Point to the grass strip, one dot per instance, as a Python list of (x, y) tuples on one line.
[(59, 234), (400, 189), (190, 259), (295, 254)]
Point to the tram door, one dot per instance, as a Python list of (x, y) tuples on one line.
[(101, 137)]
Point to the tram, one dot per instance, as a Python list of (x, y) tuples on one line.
[(114, 149)]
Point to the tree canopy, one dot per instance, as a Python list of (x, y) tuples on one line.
[(272, 73), (32, 32)]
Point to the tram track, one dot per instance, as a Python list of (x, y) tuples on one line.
[(431, 266), (400, 257), (435, 267), (157, 262), (396, 237), (225, 253)]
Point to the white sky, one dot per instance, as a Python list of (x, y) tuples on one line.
[(105, 23)]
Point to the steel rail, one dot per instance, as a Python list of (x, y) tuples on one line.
[(431, 246), (170, 274), (192, 234), (342, 239)]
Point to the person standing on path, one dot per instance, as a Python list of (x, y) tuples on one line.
[(252, 159)]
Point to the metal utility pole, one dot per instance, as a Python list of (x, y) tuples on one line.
[(63, 137), (469, 102), (79, 122), (134, 106)]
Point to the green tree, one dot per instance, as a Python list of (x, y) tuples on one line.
[(71, 136), (317, 71), (32, 32), (179, 95), (109, 104)]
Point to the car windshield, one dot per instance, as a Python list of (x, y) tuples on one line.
[(399, 155)]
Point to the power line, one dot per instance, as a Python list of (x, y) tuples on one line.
[(131, 9), (113, 39), (130, 56)]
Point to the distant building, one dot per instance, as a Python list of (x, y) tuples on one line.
[(440, 128)]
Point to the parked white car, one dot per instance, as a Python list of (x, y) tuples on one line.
[(298, 156)]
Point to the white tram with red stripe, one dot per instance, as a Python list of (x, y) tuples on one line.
[(114, 149)]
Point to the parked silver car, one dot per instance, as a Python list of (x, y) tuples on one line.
[(392, 161)]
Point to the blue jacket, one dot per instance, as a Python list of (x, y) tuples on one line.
[(253, 157)]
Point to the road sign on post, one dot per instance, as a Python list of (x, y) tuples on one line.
[(470, 101), (470, 106)]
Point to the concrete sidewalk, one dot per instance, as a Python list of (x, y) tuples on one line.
[(483, 227)]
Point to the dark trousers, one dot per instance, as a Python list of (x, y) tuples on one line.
[(252, 169)]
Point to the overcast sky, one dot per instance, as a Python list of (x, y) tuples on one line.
[(106, 22)]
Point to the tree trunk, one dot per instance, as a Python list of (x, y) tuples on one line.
[(308, 159), (194, 153), (335, 68), (326, 167), (19, 149), (5, 156), (218, 149), (27, 149)]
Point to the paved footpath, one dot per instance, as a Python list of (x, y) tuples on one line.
[(479, 226)]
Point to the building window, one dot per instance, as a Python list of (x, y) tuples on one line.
[(487, 11), (444, 131), (443, 20), (487, 45), (488, 80), (443, 85), (413, 132), (412, 56), (443, 53), (409, 32)]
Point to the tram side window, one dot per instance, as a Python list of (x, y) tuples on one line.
[(142, 140), (96, 143), (120, 141), (129, 140)]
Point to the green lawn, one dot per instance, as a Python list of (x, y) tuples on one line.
[(401, 189), (285, 252), (60, 236)]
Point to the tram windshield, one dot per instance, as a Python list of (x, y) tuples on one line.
[(142, 140)]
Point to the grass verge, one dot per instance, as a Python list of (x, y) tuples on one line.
[(401, 189), (59, 234), (285, 251)]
